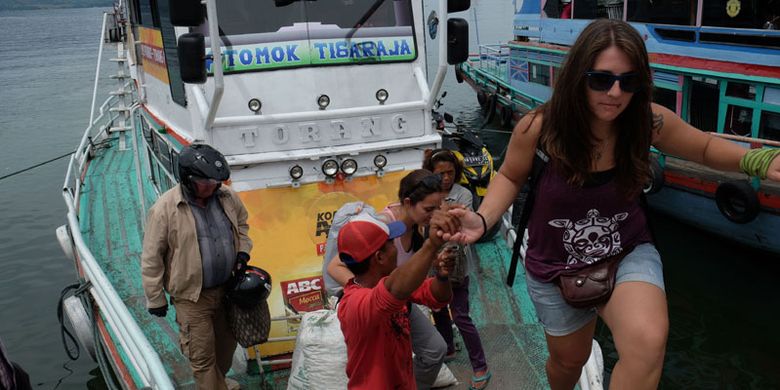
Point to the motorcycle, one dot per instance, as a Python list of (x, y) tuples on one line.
[(473, 154)]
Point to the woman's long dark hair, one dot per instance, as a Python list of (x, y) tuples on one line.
[(566, 132)]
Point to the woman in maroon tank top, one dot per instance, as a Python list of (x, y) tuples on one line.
[(597, 128)]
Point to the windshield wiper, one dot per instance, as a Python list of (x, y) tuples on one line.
[(364, 18)]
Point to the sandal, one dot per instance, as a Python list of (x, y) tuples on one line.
[(480, 380)]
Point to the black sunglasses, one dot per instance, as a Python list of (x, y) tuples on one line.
[(431, 182), (603, 81)]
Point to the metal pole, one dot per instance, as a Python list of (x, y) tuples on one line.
[(216, 51), (97, 69)]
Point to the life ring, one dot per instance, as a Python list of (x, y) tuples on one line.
[(459, 75), (656, 182), (489, 109), (737, 201), (481, 98), (506, 116)]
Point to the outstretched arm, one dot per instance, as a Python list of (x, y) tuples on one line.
[(404, 280), (506, 184), (674, 136)]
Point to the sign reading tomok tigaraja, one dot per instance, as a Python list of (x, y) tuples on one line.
[(322, 52)]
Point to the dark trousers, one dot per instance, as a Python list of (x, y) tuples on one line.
[(460, 314)]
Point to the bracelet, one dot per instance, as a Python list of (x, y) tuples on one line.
[(756, 161), (442, 278), (484, 224)]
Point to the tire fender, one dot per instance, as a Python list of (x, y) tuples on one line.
[(506, 117), (481, 99), (737, 201), (489, 109)]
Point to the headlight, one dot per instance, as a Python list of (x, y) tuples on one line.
[(349, 166), (382, 95), (296, 172), (330, 168), (255, 105), (380, 161), (323, 101)]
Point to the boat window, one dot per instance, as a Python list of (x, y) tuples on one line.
[(741, 90), (149, 16), (169, 44), (703, 108), (772, 95), (147, 130), (153, 168), (739, 120), (175, 164), (770, 126), (738, 14), (539, 73), (679, 12), (666, 98), (259, 35), (164, 153), (610, 9)]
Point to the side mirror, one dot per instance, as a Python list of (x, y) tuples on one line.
[(458, 5), (186, 12), (457, 41), (448, 117), (192, 58)]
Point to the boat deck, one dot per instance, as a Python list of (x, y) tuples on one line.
[(511, 335), (112, 226)]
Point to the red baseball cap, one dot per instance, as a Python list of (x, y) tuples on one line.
[(364, 235)]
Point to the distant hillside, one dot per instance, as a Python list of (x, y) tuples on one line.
[(44, 4)]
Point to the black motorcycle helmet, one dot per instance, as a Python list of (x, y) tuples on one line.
[(251, 287), (201, 160)]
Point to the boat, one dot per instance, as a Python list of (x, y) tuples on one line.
[(314, 104), (714, 63)]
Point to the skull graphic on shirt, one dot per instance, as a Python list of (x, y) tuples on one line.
[(592, 238)]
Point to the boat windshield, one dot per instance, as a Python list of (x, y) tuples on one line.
[(262, 35)]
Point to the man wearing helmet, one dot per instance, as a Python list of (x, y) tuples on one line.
[(196, 235)]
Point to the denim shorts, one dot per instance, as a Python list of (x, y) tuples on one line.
[(643, 264)]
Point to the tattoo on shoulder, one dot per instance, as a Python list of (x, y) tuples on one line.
[(658, 123)]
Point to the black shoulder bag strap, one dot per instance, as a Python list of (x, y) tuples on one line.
[(540, 161)]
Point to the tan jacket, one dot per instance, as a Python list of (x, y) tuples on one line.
[(171, 255)]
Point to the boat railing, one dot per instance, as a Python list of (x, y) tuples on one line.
[(136, 347), (132, 340), (494, 59), (748, 140)]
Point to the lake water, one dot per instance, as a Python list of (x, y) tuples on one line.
[(722, 298)]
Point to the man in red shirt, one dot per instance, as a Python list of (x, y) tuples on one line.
[(376, 302)]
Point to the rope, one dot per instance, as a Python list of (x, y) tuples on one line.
[(75, 352), (106, 143), (35, 166)]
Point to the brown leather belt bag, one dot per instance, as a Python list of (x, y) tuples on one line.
[(592, 285)]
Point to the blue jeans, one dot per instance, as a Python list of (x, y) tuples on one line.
[(643, 264)]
